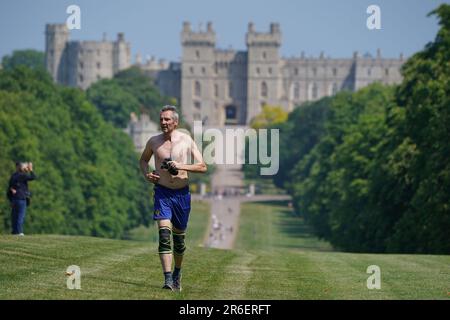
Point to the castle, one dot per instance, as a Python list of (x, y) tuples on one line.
[(81, 63), (222, 87)]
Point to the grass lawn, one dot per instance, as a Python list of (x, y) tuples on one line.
[(198, 222), (276, 257), (285, 261)]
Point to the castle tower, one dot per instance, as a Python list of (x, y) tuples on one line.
[(121, 54), (197, 73), (56, 38), (263, 69)]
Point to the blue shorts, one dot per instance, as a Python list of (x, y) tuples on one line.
[(172, 204)]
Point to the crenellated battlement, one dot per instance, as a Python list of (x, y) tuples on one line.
[(271, 38), (200, 37)]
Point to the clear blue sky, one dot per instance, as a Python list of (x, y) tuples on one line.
[(337, 27)]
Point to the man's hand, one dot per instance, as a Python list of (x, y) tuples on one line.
[(13, 191), (153, 177), (175, 165)]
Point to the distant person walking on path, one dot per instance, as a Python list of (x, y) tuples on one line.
[(172, 200), (19, 195)]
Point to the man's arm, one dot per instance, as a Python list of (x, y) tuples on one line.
[(145, 158), (198, 166), (143, 163)]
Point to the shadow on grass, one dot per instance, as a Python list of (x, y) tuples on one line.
[(280, 203), (297, 233), (295, 227)]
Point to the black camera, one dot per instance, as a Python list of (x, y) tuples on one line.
[(165, 165)]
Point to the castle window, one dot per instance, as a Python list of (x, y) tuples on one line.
[(81, 65), (216, 90), (80, 77), (197, 54), (191, 69), (314, 70), (334, 89), (296, 71), (197, 89), (98, 77), (197, 105), (231, 114), (264, 55), (314, 91), (386, 71), (230, 89), (296, 91), (258, 70), (369, 72), (270, 70), (203, 70), (334, 71), (263, 89), (99, 65)]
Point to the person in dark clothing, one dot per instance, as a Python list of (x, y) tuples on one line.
[(18, 193)]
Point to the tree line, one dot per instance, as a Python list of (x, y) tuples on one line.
[(88, 177), (128, 91), (370, 170)]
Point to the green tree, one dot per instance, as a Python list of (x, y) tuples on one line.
[(30, 58), (269, 116), (376, 175), (298, 135), (129, 91), (113, 102), (420, 156), (88, 176)]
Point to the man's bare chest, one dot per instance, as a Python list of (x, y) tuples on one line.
[(163, 150), (176, 149)]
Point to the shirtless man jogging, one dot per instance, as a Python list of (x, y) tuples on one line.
[(172, 201)]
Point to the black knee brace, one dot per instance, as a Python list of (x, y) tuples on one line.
[(164, 240), (178, 243)]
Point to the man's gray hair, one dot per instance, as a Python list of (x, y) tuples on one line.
[(173, 109)]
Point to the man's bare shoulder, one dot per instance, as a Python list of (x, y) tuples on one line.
[(184, 136), (154, 140)]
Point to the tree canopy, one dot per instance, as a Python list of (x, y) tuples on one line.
[(370, 170), (88, 176), (129, 91), (31, 58), (269, 116)]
